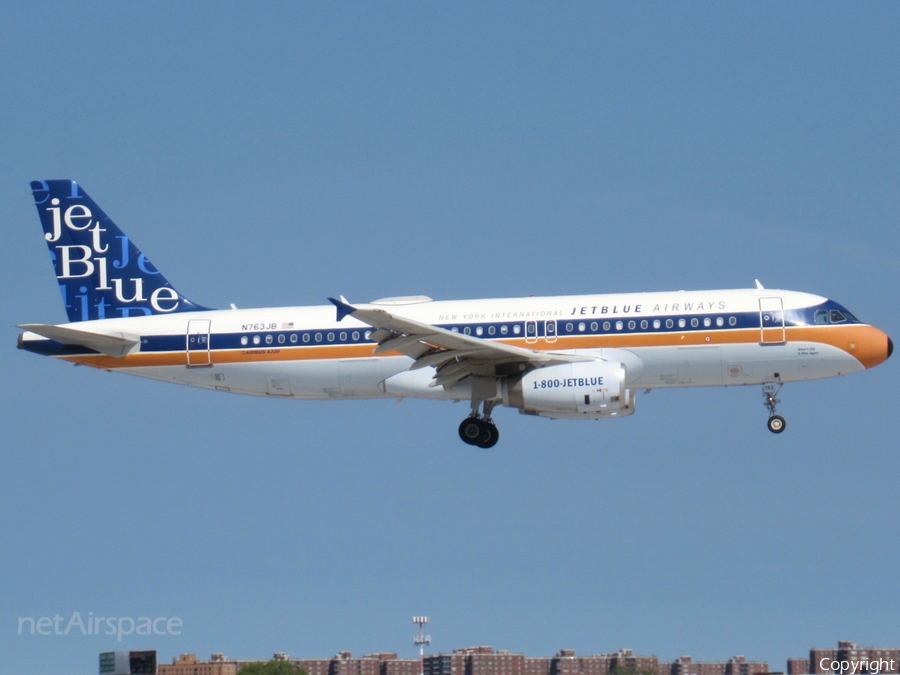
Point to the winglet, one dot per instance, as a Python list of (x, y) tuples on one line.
[(343, 307)]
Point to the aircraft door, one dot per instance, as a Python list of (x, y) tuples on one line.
[(771, 321), (197, 343), (550, 330)]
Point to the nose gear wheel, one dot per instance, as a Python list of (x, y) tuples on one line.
[(776, 422)]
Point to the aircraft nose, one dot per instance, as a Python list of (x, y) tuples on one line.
[(871, 346)]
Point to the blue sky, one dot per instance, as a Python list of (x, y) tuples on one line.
[(277, 155)]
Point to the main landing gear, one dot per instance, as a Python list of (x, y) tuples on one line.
[(480, 429), (776, 422)]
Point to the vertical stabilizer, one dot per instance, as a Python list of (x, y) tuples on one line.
[(101, 273)]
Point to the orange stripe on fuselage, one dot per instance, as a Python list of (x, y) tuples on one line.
[(865, 343)]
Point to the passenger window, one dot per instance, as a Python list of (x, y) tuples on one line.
[(594, 326), (318, 337), (454, 329), (343, 337), (503, 330), (631, 325), (837, 317), (517, 329), (491, 330), (293, 338), (355, 336), (720, 321), (619, 325), (256, 339), (581, 327), (268, 339), (368, 333), (707, 322), (479, 330), (306, 337), (467, 331), (644, 324), (281, 339), (606, 325), (569, 327), (695, 322), (244, 340), (656, 323), (732, 321), (530, 328), (331, 337), (682, 323), (669, 323)]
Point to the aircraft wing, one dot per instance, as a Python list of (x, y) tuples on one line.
[(454, 355), (111, 345)]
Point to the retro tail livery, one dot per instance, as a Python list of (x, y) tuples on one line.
[(566, 357), (101, 273)]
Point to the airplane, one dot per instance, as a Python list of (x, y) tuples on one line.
[(565, 357)]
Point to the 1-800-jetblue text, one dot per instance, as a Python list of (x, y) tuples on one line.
[(569, 382)]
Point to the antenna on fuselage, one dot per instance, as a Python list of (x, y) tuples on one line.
[(759, 285)]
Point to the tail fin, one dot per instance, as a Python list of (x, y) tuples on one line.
[(102, 274)]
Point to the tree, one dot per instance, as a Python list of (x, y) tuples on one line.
[(272, 668)]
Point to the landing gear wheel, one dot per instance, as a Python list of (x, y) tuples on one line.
[(489, 436), (471, 430), (776, 424)]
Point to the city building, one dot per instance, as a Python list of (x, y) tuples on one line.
[(188, 664), (485, 661), (482, 660), (865, 660), (736, 665)]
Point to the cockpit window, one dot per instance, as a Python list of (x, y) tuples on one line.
[(837, 317), (850, 317), (822, 316)]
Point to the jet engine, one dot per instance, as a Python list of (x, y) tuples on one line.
[(584, 390)]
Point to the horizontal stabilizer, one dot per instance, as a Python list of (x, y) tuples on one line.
[(111, 345)]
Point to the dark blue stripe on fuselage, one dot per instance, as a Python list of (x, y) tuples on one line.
[(565, 327)]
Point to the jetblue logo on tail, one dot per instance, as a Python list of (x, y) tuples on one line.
[(101, 272)]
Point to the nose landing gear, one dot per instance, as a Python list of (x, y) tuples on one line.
[(776, 422), (478, 429)]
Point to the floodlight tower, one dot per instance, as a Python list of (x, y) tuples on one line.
[(421, 639)]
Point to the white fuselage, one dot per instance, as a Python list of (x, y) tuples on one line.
[(669, 339)]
